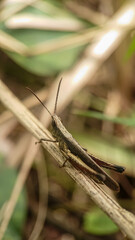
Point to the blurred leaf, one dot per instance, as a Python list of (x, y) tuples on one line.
[(7, 181), (50, 63), (128, 121), (98, 223)]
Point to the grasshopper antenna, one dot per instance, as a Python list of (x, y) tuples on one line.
[(40, 101), (55, 107)]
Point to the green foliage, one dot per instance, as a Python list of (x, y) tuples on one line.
[(128, 121), (49, 63), (7, 181), (98, 223)]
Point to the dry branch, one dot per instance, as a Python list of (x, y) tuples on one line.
[(124, 219)]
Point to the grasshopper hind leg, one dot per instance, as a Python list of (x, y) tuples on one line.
[(77, 163), (64, 151)]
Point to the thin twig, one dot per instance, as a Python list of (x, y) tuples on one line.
[(73, 40), (43, 23), (12, 44), (43, 197), (8, 12), (86, 13)]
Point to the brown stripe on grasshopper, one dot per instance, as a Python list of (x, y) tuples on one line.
[(80, 165)]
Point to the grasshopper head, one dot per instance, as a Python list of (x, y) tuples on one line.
[(56, 122)]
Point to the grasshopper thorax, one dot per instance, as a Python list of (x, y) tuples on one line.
[(57, 128)]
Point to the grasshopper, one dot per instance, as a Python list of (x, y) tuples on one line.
[(75, 154)]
